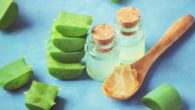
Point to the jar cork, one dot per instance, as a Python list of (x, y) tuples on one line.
[(128, 17), (103, 34)]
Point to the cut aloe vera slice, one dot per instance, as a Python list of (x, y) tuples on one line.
[(67, 44), (65, 57), (115, 1), (41, 96), (8, 13), (73, 25), (64, 71), (164, 97), (15, 74)]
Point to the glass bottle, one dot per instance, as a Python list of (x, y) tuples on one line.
[(130, 33), (102, 52)]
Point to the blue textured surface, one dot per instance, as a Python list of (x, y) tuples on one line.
[(27, 37)]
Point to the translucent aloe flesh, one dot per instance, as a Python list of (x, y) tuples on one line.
[(73, 25), (41, 96), (15, 74), (8, 13)]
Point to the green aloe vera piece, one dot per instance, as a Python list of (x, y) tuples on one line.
[(65, 57), (15, 74), (64, 71), (67, 44), (73, 25), (164, 97), (8, 13), (41, 96), (115, 1)]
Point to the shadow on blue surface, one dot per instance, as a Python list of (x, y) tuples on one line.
[(84, 76), (124, 2), (60, 104), (136, 99), (20, 23), (185, 106)]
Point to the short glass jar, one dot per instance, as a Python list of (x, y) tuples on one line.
[(101, 58), (130, 34)]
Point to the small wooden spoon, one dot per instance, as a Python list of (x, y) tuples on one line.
[(127, 79)]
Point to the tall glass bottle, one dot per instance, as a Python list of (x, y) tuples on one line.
[(102, 52), (130, 34)]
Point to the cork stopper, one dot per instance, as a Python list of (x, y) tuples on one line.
[(103, 34), (128, 17)]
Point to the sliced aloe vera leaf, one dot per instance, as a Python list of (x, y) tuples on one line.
[(8, 13), (65, 57), (15, 74), (64, 71), (41, 96), (18, 82), (116, 1), (164, 97), (73, 25), (5, 4), (67, 44)]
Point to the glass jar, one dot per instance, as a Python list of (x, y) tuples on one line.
[(101, 59), (131, 39)]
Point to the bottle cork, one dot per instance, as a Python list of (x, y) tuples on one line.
[(128, 17), (103, 34)]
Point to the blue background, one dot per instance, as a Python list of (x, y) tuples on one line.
[(28, 36)]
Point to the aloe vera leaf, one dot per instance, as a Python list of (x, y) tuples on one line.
[(64, 71), (8, 13), (65, 57), (18, 82), (73, 25), (67, 44), (164, 97), (41, 96), (15, 74), (116, 1)]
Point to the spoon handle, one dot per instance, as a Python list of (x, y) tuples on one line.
[(172, 34)]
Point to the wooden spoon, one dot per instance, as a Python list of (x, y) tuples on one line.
[(127, 79)]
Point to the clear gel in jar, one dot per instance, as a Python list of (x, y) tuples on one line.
[(130, 35), (102, 52)]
